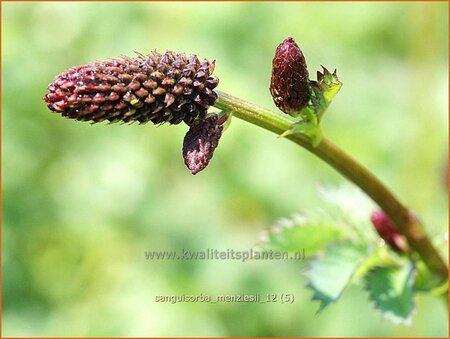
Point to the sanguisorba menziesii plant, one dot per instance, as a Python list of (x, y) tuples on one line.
[(172, 88)]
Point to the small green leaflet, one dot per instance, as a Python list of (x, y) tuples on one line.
[(391, 290), (308, 232), (352, 207), (331, 272)]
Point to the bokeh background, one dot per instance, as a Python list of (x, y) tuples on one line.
[(82, 203)]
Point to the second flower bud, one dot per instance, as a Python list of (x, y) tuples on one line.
[(289, 85)]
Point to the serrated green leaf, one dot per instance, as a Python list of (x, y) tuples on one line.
[(377, 257), (330, 273), (352, 207), (391, 290), (310, 233), (323, 91)]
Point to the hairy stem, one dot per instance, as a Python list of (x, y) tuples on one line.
[(407, 223)]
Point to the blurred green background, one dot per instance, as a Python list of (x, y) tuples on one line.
[(82, 203)]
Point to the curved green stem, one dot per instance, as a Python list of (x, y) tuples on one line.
[(407, 223)]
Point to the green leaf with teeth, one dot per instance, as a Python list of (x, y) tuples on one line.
[(331, 272), (323, 91), (391, 291)]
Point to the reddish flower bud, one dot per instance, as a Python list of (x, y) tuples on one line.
[(289, 83), (200, 142), (157, 87), (388, 231)]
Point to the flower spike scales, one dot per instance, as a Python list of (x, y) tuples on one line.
[(160, 88)]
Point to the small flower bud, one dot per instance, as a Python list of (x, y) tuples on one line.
[(388, 231), (200, 142), (289, 83), (167, 87)]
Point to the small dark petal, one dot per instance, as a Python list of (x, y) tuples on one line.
[(128, 97), (113, 96), (134, 85), (112, 79), (99, 76), (177, 89), (185, 81), (72, 99), (169, 99), (51, 97), (141, 92), (59, 105), (119, 88), (199, 84), (149, 99), (103, 88), (150, 84), (168, 82), (212, 82), (157, 75), (140, 77), (131, 67), (187, 72), (125, 77), (158, 91), (114, 70), (138, 104), (84, 99), (68, 84), (99, 98), (120, 106), (200, 75), (107, 107), (197, 99)]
